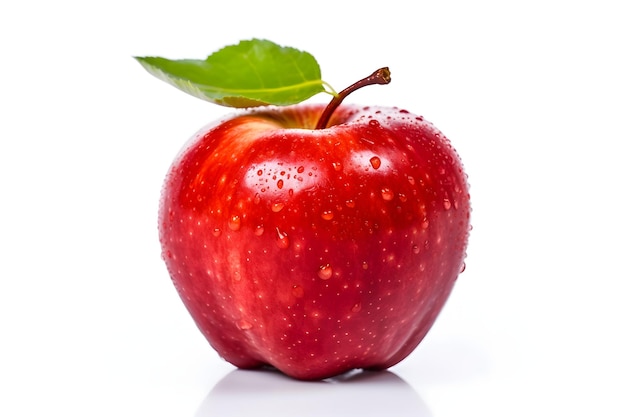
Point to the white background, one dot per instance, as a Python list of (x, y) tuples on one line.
[(531, 93)]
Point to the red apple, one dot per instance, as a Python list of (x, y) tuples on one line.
[(315, 250)]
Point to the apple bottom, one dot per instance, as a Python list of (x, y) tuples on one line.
[(340, 352), (308, 322)]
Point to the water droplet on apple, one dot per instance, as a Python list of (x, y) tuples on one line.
[(300, 169), (217, 231), (234, 223), (375, 162), (325, 272), (411, 180), (374, 123), (350, 203), (244, 324), (328, 215), (416, 249), (425, 223), (364, 265), (278, 206), (337, 166), (387, 194), (258, 231), (279, 184), (356, 308), (283, 240), (259, 172), (446, 204), (462, 268), (297, 291)]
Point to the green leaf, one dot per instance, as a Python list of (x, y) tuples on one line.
[(252, 73)]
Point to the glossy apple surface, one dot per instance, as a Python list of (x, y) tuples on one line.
[(315, 251)]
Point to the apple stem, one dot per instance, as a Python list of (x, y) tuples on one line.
[(380, 76)]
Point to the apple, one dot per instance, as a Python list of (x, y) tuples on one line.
[(316, 239)]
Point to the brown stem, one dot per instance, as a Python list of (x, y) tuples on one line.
[(380, 76)]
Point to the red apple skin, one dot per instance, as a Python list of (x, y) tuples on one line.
[(315, 251)]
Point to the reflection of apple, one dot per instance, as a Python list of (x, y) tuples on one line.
[(254, 393), (313, 250)]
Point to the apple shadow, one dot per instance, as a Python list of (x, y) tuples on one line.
[(268, 392), (452, 360)]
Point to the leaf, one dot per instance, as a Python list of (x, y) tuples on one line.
[(252, 73)]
